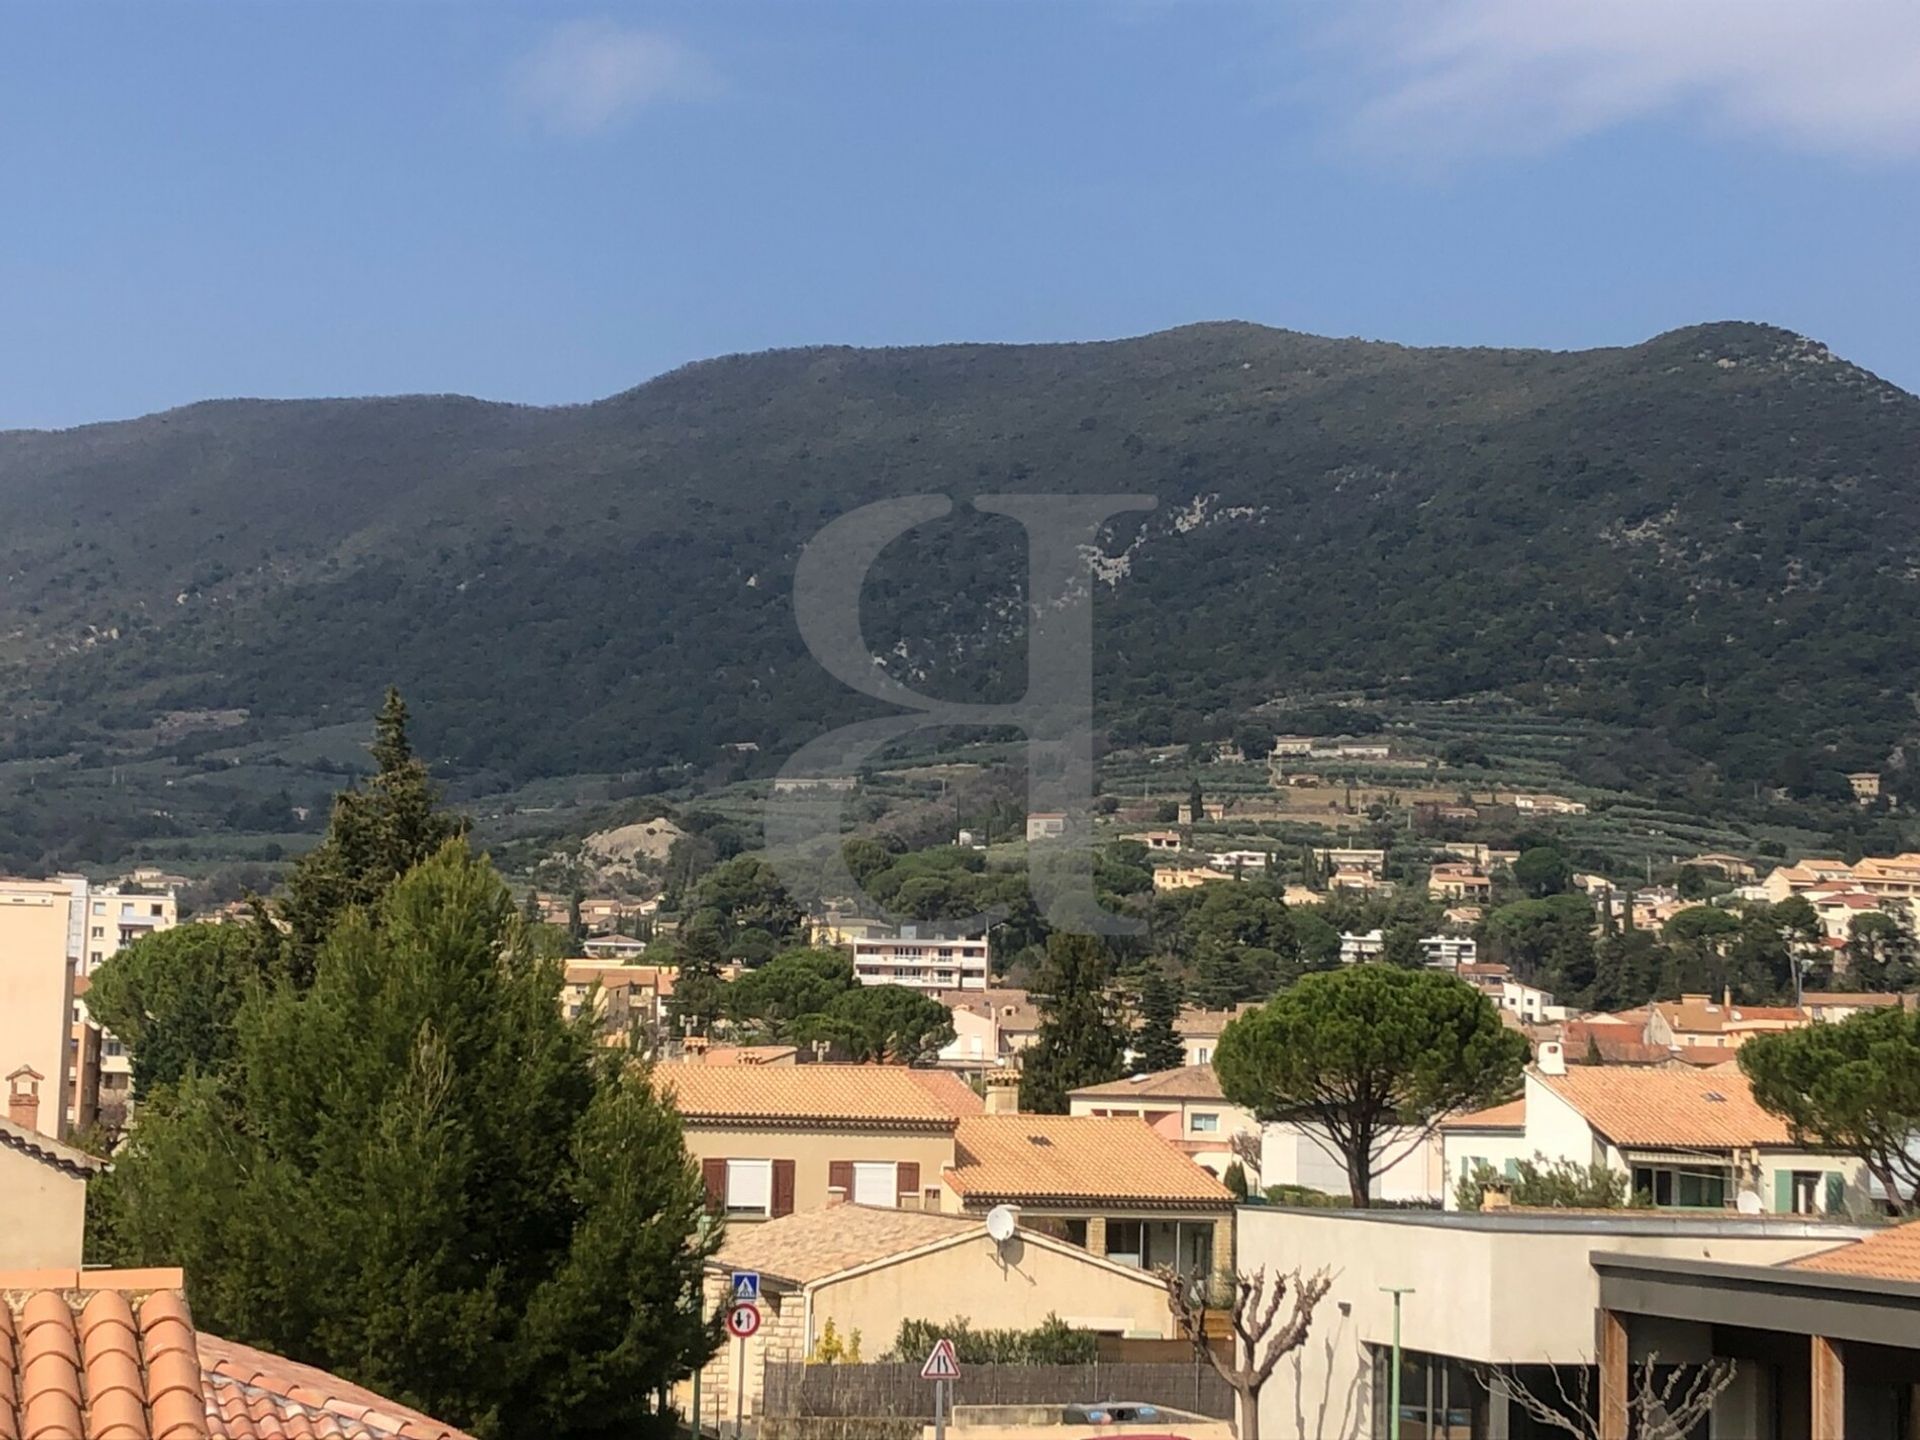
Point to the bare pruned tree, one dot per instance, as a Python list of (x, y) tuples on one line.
[(1260, 1338), (1657, 1409)]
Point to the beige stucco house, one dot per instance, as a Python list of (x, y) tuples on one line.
[(1111, 1186), (1183, 1106), (36, 990), (775, 1139), (864, 1270), (43, 1195)]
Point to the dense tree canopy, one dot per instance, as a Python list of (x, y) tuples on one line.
[(1854, 1085), (1081, 1039), (1370, 1059), (416, 1173), (171, 998), (805, 996)]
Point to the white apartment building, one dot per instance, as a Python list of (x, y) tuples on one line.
[(921, 962), (1449, 952), (1442, 952), (102, 920)]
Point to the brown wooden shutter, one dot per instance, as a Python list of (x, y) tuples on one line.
[(840, 1177), (714, 1173), (782, 1188), (907, 1181)]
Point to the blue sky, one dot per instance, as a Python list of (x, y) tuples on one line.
[(547, 203)]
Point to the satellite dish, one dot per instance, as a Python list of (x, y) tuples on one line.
[(1001, 1224), (1748, 1203)]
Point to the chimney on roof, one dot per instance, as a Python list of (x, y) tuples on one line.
[(1726, 997), (23, 1097), (1003, 1092), (1552, 1058)]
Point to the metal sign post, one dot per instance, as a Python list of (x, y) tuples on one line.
[(943, 1368), (743, 1319), (739, 1386)]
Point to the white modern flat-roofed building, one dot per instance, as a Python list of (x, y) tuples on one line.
[(1577, 1299), (921, 962)]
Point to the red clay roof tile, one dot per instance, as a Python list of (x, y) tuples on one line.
[(89, 1356)]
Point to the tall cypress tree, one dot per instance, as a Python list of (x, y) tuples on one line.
[(376, 834), (1081, 1039), (1156, 1043)]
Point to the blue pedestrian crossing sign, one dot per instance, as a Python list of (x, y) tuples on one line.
[(746, 1285)]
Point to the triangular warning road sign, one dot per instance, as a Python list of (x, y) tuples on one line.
[(942, 1363)]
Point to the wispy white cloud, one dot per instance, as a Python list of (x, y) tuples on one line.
[(589, 75), (1456, 77)]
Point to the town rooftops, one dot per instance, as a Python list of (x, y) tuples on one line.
[(1012, 1009), (749, 1055), (1709, 1108), (1196, 1024), (1510, 1116), (800, 1096), (1853, 999), (53, 1152), (813, 1244), (113, 1354), (1057, 1159), (1701, 1015), (1183, 1082), (1891, 1255)]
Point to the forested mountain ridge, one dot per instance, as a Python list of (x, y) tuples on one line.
[(1714, 534)]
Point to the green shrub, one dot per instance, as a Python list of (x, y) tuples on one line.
[(1052, 1342)]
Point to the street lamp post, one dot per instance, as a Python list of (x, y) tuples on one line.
[(1393, 1384)]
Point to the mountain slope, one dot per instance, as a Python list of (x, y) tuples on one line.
[(1715, 534)]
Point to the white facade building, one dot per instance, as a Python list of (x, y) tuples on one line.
[(921, 962)]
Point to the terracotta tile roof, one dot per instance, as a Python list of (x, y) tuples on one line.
[(1510, 1116), (1700, 1016), (113, 1355), (1012, 1009), (1056, 1158), (1183, 1082), (802, 1095), (1711, 1108), (1860, 1000), (749, 1055), (810, 1244), (254, 1395), (1200, 1024), (42, 1147), (949, 1090), (1891, 1255)]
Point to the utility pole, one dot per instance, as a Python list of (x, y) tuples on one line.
[(1393, 1400)]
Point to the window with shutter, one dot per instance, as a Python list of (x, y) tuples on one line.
[(713, 1173), (909, 1183), (749, 1187), (840, 1177), (782, 1188), (1836, 1192), (874, 1184)]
